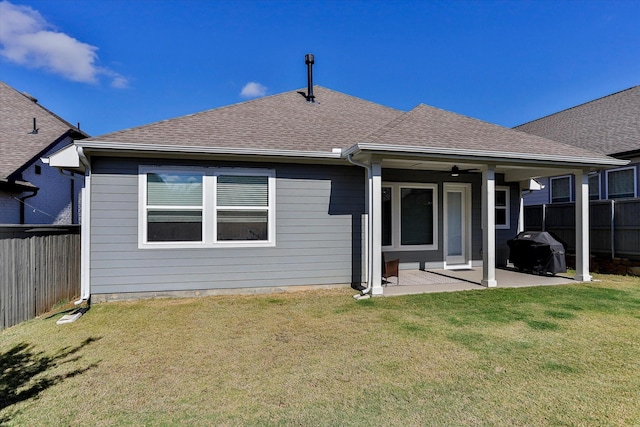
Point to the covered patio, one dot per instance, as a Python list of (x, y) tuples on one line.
[(440, 280), (463, 181)]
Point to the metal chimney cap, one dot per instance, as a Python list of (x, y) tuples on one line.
[(34, 99)]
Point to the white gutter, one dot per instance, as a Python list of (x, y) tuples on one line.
[(487, 155), (369, 242), (149, 148), (85, 233)]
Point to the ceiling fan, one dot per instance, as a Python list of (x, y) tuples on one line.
[(456, 171)]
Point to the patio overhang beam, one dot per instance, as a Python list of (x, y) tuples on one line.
[(500, 158)]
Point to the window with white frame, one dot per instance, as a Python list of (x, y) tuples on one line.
[(387, 215), (621, 183), (173, 206), (502, 208), (594, 186), (561, 189), (409, 216), (200, 207)]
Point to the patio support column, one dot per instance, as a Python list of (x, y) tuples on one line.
[(375, 179), (489, 227), (521, 212), (582, 226)]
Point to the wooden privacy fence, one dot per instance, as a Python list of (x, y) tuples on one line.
[(614, 225), (39, 267)]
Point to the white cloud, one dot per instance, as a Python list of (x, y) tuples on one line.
[(253, 90), (27, 39)]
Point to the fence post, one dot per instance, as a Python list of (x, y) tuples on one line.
[(33, 275), (613, 229)]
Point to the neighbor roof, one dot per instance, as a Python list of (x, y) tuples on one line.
[(608, 125), (18, 145)]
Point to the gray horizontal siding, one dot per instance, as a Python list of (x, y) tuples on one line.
[(318, 235)]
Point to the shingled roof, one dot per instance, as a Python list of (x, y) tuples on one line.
[(279, 122), (608, 125), (288, 123), (19, 146), (426, 126)]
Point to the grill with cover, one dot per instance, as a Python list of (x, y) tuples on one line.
[(537, 251)]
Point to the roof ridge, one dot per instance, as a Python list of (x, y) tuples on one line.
[(479, 122), (578, 106), (395, 122), (359, 98), (243, 103)]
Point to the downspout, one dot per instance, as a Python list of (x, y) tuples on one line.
[(369, 242), (22, 205), (85, 230)]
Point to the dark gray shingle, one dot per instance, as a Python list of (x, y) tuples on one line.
[(426, 126), (608, 125), (17, 144)]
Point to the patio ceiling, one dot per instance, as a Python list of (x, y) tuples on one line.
[(512, 172)]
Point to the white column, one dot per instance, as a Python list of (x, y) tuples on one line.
[(376, 228), (582, 227), (489, 228), (521, 213)]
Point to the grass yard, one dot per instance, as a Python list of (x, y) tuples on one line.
[(562, 355)]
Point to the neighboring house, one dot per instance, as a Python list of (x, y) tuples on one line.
[(608, 125), (31, 192), (304, 189)]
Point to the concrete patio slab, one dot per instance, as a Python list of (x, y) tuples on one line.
[(419, 281)]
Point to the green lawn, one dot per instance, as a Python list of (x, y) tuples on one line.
[(562, 355)]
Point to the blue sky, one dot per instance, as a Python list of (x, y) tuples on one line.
[(115, 64)]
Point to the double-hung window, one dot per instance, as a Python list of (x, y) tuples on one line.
[(561, 189), (242, 207), (409, 216), (173, 210), (621, 183), (206, 207), (502, 208)]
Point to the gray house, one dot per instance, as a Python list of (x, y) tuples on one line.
[(30, 192), (608, 125), (306, 189)]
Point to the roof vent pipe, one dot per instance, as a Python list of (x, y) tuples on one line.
[(308, 59), (35, 128)]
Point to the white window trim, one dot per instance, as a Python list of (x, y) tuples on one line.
[(396, 221), (209, 209), (551, 188), (635, 179), (506, 208)]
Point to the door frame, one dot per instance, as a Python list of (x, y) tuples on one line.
[(464, 261)]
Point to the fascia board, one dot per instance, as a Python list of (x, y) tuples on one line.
[(147, 148), (487, 156), (17, 185)]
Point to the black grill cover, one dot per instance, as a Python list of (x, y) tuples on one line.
[(537, 251)]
